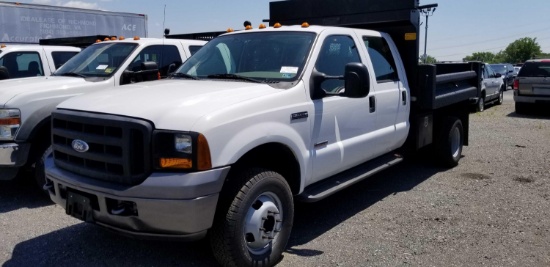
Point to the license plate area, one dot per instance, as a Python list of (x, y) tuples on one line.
[(79, 205), (541, 90)]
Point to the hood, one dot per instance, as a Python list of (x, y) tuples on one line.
[(169, 104), (11, 88)]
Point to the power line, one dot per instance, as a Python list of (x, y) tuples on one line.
[(490, 40)]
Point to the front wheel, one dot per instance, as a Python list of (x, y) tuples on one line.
[(450, 142), (254, 220)]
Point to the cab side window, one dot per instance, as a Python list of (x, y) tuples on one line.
[(167, 58), (194, 48), (485, 72), (60, 57), (382, 59), (23, 64), (490, 72), (336, 52)]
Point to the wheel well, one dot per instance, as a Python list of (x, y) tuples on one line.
[(273, 156), (40, 138)]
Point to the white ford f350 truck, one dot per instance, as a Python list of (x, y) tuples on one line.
[(26, 104), (255, 120), (22, 61)]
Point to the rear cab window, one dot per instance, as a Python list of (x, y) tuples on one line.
[(535, 69)]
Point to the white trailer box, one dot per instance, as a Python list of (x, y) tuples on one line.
[(28, 23)]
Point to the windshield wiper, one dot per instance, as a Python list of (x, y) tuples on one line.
[(71, 74), (234, 77), (182, 75)]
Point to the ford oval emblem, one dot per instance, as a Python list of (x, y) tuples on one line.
[(80, 146)]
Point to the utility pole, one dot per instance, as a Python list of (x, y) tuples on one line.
[(427, 10)]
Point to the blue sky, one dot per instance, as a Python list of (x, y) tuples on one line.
[(456, 29)]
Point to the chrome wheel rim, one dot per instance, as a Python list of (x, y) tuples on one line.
[(455, 142), (263, 222)]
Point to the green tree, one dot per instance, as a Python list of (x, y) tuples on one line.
[(430, 60), (500, 57), (522, 49), (481, 56)]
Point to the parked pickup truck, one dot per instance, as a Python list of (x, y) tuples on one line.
[(21, 61), (26, 104), (256, 119)]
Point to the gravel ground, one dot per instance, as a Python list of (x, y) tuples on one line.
[(491, 210)]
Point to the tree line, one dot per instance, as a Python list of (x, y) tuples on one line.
[(516, 52)]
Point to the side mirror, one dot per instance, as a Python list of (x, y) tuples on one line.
[(171, 68), (315, 90), (148, 72), (357, 82), (149, 66), (498, 75)]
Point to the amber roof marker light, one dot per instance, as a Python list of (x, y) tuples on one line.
[(247, 25)]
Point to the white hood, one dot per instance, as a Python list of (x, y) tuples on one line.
[(169, 104), (13, 88)]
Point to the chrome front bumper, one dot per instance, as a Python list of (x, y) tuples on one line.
[(12, 156), (165, 206)]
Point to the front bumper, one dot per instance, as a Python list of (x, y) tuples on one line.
[(164, 206), (12, 156)]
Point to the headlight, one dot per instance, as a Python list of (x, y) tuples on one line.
[(183, 143), (177, 150), (10, 120)]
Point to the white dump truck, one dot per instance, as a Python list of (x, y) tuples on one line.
[(256, 120)]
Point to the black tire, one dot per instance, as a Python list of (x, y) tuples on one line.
[(39, 170), (449, 143), (263, 197), (480, 104), (500, 97)]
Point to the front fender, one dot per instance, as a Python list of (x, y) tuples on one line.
[(254, 135)]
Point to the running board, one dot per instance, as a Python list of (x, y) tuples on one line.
[(331, 185)]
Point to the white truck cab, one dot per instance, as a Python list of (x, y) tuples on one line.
[(21, 61), (26, 104)]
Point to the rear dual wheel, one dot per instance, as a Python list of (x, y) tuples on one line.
[(449, 143)]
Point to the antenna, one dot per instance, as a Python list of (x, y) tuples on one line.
[(164, 20), (162, 48)]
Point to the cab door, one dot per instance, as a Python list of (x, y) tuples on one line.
[(390, 93), (343, 127)]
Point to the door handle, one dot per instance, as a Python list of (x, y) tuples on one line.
[(404, 97), (372, 104)]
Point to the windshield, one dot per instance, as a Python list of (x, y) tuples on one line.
[(498, 68), (260, 57), (99, 60)]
